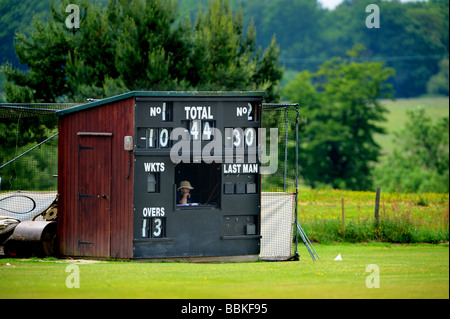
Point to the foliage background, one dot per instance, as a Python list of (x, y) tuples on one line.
[(333, 64), (413, 37)]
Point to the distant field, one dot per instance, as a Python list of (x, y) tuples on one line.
[(405, 272), (436, 107), (427, 208), (405, 217)]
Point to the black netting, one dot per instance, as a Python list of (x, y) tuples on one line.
[(283, 118), (29, 146)]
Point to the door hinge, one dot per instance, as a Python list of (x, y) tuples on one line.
[(80, 196), (82, 148), (84, 243)]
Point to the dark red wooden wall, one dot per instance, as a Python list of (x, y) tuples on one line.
[(109, 123)]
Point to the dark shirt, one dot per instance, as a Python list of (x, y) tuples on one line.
[(180, 196)]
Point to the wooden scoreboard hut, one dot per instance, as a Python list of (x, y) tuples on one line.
[(121, 162)]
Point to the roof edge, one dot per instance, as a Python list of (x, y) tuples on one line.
[(158, 94)]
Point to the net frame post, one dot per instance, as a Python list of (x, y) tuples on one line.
[(286, 107), (296, 255)]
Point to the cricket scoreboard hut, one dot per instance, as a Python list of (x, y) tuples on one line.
[(209, 139)]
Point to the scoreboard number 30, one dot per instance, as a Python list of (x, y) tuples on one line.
[(239, 137)]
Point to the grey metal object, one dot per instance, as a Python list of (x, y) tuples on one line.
[(32, 238), (307, 243)]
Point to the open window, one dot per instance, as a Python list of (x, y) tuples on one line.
[(206, 183)]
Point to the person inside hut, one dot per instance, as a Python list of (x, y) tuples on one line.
[(183, 193)]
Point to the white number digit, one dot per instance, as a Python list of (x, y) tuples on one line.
[(164, 112), (164, 138), (150, 137), (250, 117), (249, 136), (195, 129), (207, 132), (144, 227), (236, 137), (157, 222)]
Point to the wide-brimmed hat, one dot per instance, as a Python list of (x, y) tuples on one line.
[(185, 184)]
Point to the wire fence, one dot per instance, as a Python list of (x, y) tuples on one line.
[(29, 146), (28, 163)]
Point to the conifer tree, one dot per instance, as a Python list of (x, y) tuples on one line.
[(139, 45)]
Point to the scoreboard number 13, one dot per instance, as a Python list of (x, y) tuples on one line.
[(153, 227)]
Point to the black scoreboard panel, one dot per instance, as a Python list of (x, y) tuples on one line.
[(212, 142)]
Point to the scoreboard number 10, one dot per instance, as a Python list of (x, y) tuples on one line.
[(158, 137)]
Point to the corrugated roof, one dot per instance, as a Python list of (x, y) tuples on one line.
[(172, 94)]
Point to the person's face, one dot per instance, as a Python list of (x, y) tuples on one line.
[(185, 191)]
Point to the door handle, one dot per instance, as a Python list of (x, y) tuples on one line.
[(104, 196)]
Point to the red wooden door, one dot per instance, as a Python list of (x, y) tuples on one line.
[(94, 195)]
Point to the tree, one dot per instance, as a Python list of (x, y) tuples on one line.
[(226, 58), (15, 16), (420, 161), (139, 45), (412, 38), (438, 83), (131, 45), (339, 103)]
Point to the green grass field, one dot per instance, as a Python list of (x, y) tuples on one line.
[(405, 272), (436, 107)]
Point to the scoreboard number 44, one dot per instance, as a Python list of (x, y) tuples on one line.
[(203, 129)]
